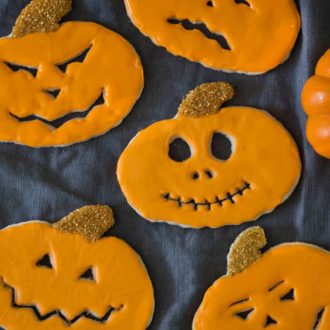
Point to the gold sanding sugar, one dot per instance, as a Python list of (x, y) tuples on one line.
[(90, 221), (246, 250), (206, 99), (41, 16)]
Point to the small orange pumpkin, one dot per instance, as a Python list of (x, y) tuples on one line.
[(64, 277), (47, 79), (316, 102), (250, 36), (207, 186), (285, 288)]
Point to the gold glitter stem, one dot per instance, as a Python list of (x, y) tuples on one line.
[(206, 99), (245, 250), (41, 16), (89, 221)]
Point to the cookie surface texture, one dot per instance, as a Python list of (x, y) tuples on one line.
[(66, 86), (55, 279), (286, 288), (252, 36), (208, 187), (316, 103)]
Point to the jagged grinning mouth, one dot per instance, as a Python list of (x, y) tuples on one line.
[(207, 204), (200, 26), (58, 313), (61, 121)]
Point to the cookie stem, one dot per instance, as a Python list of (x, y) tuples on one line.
[(41, 16), (246, 250), (206, 99), (89, 221)]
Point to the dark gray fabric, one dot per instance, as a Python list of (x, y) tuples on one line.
[(48, 183)]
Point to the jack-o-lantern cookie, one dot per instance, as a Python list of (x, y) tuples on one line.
[(210, 166), (248, 36), (285, 288), (64, 84), (65, 276), (316, 102)]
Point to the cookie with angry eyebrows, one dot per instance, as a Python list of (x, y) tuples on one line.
[(286, 287), (247, 36), (210, 166), (67, 276), (61, 84)]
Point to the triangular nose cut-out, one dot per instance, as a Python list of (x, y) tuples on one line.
[(244, 315), (269, 321), (88, 275), (45, 261)]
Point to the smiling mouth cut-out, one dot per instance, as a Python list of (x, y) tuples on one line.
[(200, 26), (57, 313), (72, 115), (207, 205)]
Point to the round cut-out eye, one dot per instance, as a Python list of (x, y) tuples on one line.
[(179, 150), (221, 146)]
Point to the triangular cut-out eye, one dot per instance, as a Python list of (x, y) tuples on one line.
[(88, 275), (288, 296), (244, 315), (80, 58), (15, 68), (53, 92), (45, 261), (269, 321)]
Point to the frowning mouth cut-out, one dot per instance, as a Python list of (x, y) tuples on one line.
[(61, 121), (58, 313), (207, 205), (189, 26)]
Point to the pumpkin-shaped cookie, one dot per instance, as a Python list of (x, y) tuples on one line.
[(316, 102), (65, 86), (177, 171), (65, 277), (285, 288), (249, 36)]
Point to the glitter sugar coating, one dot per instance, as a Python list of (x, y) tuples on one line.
[(41, 16), (89, 221), (246, 250), (206, 99)]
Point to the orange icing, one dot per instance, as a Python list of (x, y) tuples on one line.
[(121, 281), (264, 156), (305, 269), (316, 102), (260, 36), (111, 66)]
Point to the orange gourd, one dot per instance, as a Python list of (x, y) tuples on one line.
[(204, 188), (285, 288), (316, 103), (63, 276), (66, 86), (252, 36)]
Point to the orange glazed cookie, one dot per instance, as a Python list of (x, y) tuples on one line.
[(316, 102), (66, 276), (248, 36), (210, 166), (285, 288), (65, 86)]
